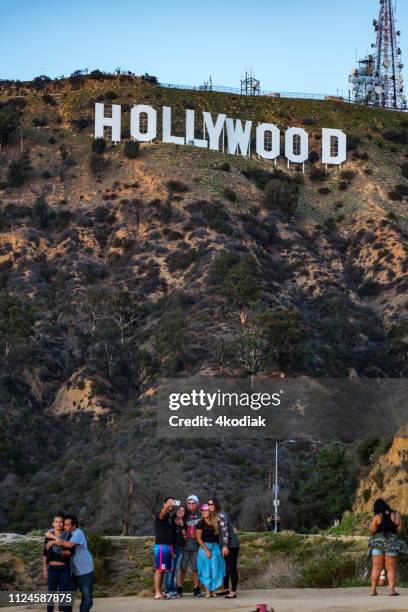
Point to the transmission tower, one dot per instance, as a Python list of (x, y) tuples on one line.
[(250, 86), (378, 79)]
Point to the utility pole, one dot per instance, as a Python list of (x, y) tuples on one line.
[(276, 502)]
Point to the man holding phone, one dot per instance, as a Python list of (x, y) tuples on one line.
[(190, 549), (163, 547)]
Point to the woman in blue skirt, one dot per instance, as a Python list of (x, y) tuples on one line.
[(210, 562)]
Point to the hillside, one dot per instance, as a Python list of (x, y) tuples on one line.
[(115, 272)]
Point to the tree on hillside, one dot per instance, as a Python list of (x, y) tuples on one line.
[(327, 488), (120, 498), (41, 81), (16, 330), (251, 347), (236, 277), (282, 195), (131, 149), (9, 122), (98, 145), (98, 165), (18, 171), (284, 336), (170, 338)]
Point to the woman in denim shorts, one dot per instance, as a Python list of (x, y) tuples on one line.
[(385, 545)]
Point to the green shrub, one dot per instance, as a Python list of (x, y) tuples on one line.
[(328, 570), (370, 288), (352, 142), (313, 157), (82, 122), (318, 501), (131, 149), (39, 82), (98, 545), (347, 175), (177, 186), (361, 155), (225, 167), (170, 338), (309, 121), (182, 260), (330, 224), (258, 176), (8, 574), (18, 171), (402, 190), (397, 136), (10, 117), (404, 170), (379, 479), (230, 194), (283, 333), (236, 277), (98, 165), (317, 174), (281, 195), (16, 318), (212, 214), (41, 214), (48, 99), (40, 121), (98, 146)]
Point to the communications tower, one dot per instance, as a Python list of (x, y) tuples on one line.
[(378, 79)]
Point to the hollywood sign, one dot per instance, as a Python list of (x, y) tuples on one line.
[(143, 128)]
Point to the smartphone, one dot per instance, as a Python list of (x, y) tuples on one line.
[(177, 502)]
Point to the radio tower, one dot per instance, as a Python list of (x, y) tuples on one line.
[(378, 79)]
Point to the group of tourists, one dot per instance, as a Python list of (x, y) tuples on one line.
[(200, 538), (67, 562)]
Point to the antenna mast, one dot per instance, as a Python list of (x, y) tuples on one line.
[(378, 79)]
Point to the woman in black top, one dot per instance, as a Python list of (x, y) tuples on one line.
[(56, 564), (385, 544), (210, 562)]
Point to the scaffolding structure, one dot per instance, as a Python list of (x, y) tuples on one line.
[(377, 80), (208, 85), (250, 86)]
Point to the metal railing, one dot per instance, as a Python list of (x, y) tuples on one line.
[(271, 94), (340, 95)]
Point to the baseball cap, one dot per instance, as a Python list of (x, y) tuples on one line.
[(193, 498)]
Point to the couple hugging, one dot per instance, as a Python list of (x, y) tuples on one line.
[(201, 538), (67, 562)]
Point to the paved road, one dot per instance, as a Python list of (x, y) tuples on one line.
[(280, 600)]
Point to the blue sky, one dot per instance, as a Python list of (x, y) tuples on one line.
[(291, 45)]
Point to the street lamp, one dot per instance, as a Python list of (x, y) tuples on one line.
[(276, 486)]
